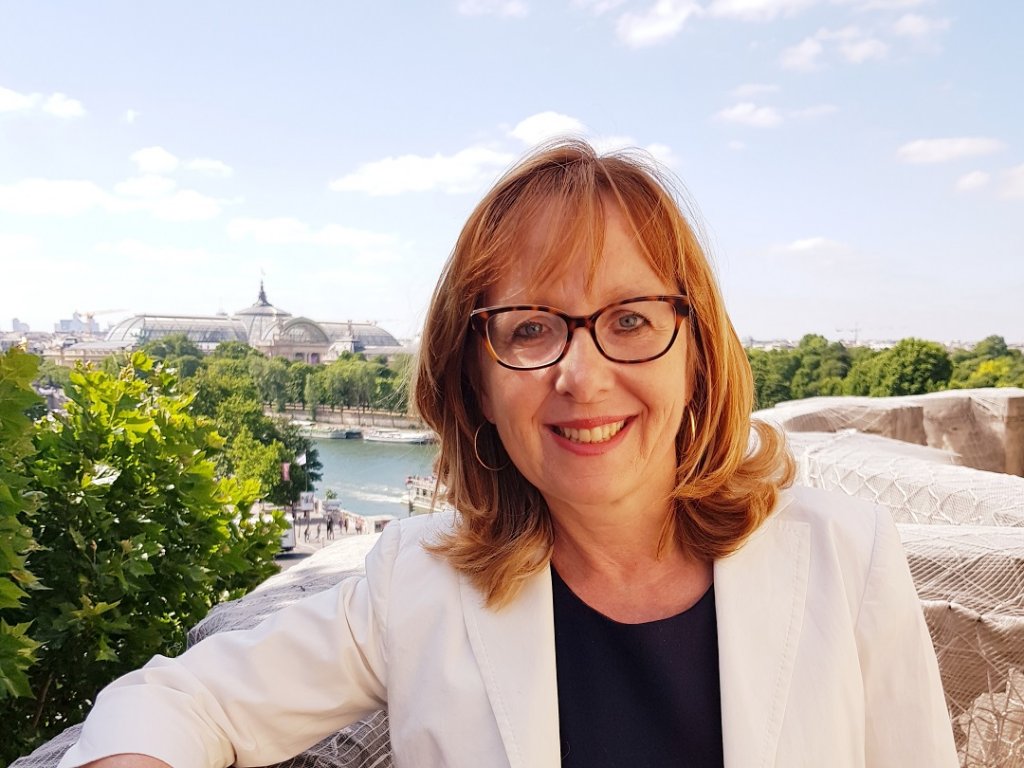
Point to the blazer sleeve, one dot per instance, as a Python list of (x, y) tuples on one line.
[(259, 696), (907, 720)]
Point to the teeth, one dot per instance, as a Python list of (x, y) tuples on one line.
[(595, 435)]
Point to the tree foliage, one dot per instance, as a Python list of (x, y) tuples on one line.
[(137, 538), (17, 649), (912, 366)]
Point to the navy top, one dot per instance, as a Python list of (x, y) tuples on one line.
[(637, 694)]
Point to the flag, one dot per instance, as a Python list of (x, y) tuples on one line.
[(301, 459), (286, 471)]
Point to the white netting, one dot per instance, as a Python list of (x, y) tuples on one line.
[(948, 466), (923, 458)]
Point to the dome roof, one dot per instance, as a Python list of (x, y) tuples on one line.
[(263, 307)]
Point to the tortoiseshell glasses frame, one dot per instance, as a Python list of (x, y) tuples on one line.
[(649, 342)]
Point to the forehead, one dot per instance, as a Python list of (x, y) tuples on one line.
[(568, 247)]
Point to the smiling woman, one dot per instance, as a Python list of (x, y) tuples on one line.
[(628, 578)]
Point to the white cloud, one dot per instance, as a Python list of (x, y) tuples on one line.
[(185, 205), (514, 8), (12, 101), (802, 57), (912, 25), (61, 197), (149, 255), (944, 150), (816, 251), (890, 5), (817, 110), (466, 171), (15, 246), (56, 104), (1012, 183), (859, 51), (749, 90), (662, 153), (852, 44), (289, 231), (737, 146), (155, 160), (150, 185), (63, 107), (545, 125), (973, 180), (757, 10), (747, 113), (661, 21), (813, 245), (130, 116), (598, 7), (210, 167), (48, 197)]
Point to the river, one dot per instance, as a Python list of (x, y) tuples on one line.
[(369, 478)]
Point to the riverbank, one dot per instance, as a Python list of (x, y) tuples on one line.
[(350, 417)]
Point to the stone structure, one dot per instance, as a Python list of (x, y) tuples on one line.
[(984, 428)]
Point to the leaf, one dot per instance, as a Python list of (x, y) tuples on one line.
[(11, 595)]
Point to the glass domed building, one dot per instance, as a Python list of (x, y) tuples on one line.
[(271, 330)]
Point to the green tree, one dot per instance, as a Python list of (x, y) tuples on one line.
[(314, 393), (818, 361), (176, 351), (138, 539), (52, 375), (234, 350), (773, 371), (298, 372), (271, 378), (912, 367), (17, 648)]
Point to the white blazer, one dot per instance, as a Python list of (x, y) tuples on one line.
[(825, 660)]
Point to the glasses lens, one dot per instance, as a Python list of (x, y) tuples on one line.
[(636, 330), (526, 338)]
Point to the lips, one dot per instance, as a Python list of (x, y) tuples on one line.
[(590, 435)]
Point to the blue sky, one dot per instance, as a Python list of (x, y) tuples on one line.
[(856, 164)]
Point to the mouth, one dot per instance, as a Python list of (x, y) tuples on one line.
[(590, 435)]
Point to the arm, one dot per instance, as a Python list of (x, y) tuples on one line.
[(257, 696), (907, 719)]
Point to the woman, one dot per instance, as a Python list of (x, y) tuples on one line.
[(627, 578)]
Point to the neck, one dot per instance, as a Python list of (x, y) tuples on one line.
[(613, 542)]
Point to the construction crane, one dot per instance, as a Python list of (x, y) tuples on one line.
[(88, 315), (855, 331)]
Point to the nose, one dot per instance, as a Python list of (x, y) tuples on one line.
[(583, 374)]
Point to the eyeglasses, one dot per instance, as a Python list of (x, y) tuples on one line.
[(528, 336)]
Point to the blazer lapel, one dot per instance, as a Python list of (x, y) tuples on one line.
[(515, 650), (760, 591)]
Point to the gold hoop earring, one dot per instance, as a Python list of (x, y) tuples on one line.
[(693, 426), (476, 452)]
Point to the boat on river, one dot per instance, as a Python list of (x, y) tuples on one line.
[(326, 431), (407, 436), (420, 495)]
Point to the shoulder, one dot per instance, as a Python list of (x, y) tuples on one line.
[(852, 542), (402, 545), (831, 515)]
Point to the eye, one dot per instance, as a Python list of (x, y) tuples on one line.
[(628, 321), (529, 330)]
